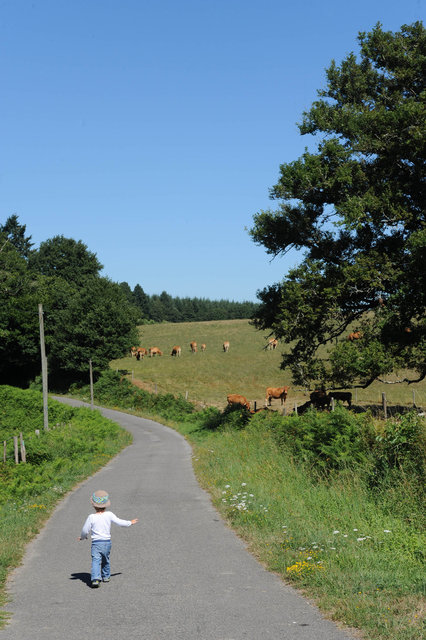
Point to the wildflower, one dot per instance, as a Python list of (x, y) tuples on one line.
[(335, 532), (355, 529), (227, 486), (360, 539), (244, 484), (386, 531)]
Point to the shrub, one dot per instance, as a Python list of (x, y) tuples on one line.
[(326, 440)]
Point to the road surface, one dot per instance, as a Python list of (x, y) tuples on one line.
[(180, 573)]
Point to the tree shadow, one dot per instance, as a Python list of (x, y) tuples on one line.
[(87, 579)]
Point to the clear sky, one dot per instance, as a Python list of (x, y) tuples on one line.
[(153, 130)]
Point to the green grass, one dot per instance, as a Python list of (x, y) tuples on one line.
[(247, 369), (369, 575)]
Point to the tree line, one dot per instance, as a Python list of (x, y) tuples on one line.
[(165, 308)]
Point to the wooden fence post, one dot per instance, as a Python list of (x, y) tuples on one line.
[(37, 432), (295, 408), (385, 406), (23, 450), (4, 450), (15, 446), (332, 404)]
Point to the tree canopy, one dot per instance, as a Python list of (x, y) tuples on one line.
[(87, 317), (356, 209)]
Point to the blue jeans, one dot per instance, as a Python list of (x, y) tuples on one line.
[(100, 559)]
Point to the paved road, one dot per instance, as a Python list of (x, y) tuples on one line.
[(179, 573)]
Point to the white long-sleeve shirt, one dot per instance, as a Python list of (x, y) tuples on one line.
[(99, 525)]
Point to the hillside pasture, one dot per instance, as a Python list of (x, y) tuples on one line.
[(248, 368)]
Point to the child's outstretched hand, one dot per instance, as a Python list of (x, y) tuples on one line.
[(135, 521)]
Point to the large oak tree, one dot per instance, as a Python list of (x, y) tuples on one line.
[(356, 207)]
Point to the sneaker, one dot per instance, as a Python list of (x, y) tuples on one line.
[(95, 584), (106, 579)]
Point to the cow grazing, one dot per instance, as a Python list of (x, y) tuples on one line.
[(193, 347), (320, 398), (141, 352), (236, 400), (343, 396), (203, 347), (133, 352), (276, 392), (272, 344), (176, 351), (226, 346), (155, 351), (355, 335)]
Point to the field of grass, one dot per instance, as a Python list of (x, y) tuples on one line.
[(247, 369)]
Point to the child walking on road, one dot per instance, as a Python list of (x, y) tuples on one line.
[(98, 524)]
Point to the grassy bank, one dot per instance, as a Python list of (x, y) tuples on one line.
[(334, 503), (79, 442)]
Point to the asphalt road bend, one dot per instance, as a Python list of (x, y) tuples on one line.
[(180, 573)]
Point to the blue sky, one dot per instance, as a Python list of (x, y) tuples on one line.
[(152, 131)]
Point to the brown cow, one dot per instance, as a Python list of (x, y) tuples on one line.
[(355, 335), (176, 351), (276, 392), (272, 344), (141, 352), (133, 351), (155, 351), (193, 347), (203, 347), (226, 346), (235, 400)]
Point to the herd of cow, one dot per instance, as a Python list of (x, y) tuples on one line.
[(320, 399), (141, 352)]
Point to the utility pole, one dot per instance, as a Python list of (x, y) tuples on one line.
[(43, 368), (91, 383)]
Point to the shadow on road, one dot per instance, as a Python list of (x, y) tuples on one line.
[(86, 578)]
